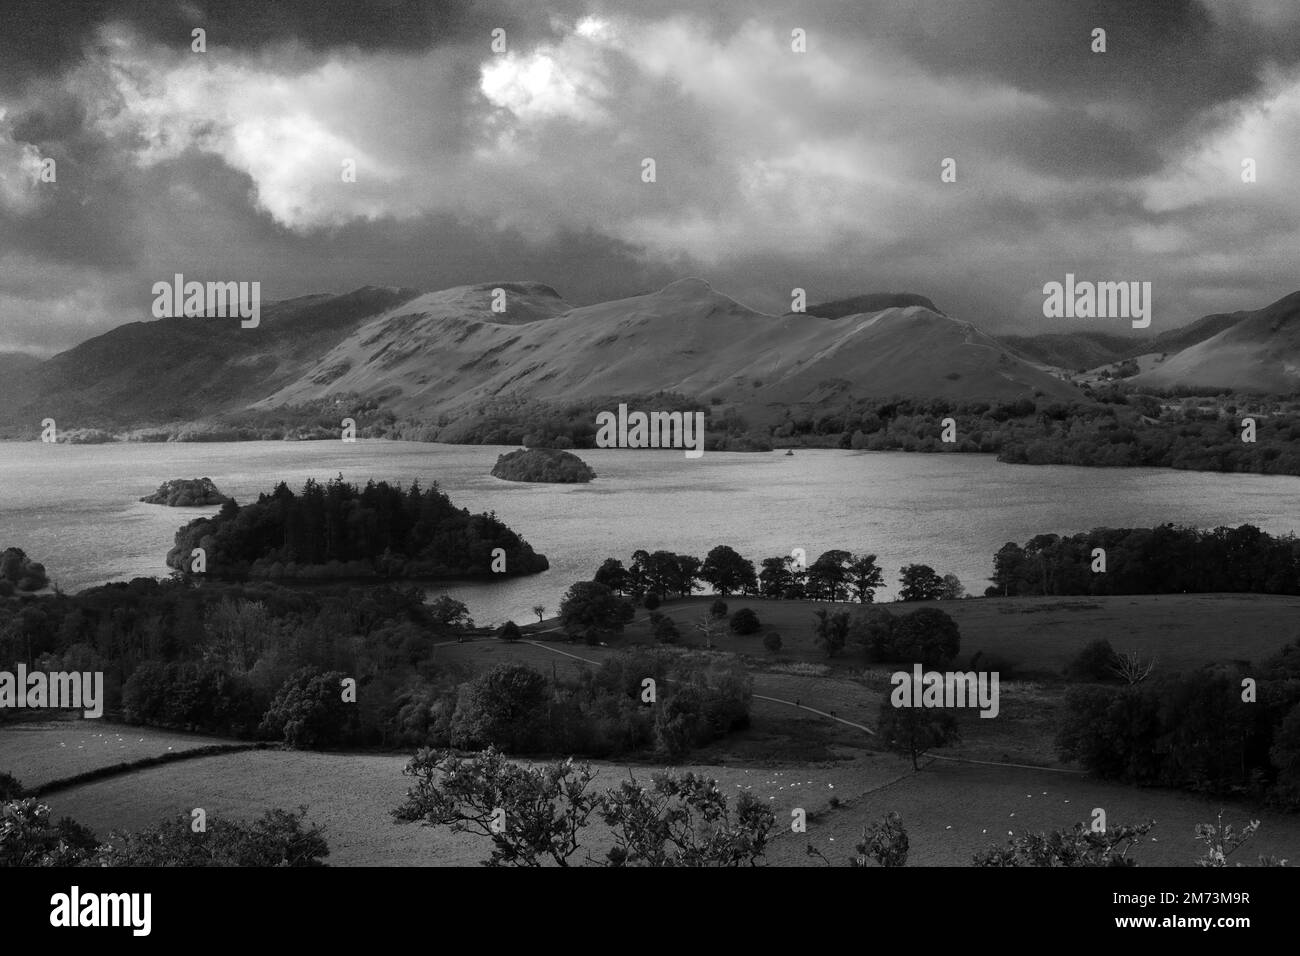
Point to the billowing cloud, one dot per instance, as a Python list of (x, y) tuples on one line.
[(774, 168)]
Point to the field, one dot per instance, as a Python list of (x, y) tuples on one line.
[(790, 755), (1040, 634), (950, 810), (38, 753)]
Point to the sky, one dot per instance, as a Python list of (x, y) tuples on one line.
[(775, 168)]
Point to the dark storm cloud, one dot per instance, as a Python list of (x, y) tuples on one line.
[(89, 215), (40, 38), (1170, 58), (1069, 142), (818, 171)]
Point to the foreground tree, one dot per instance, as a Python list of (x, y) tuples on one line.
[(884, 841), (502, 707), (684, 821), (927, 635), (951, 588), (613, 575), (1131, 667), (309, 710), (873, 628), (1221, 841), (779, 578), (531, 814), (664, 629), (592, 612), (278, 838), (745, 621), (865, 577), (1008, 569), (832, 631), (665, 572), (1081, 846), (537, 815), (828, 577), (446, 611), (915, 731), (728, 572), (712, 627), (918, 582), (28, 837)]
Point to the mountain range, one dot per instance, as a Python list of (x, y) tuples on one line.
[(439, 355)]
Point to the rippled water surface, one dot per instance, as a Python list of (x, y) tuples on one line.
[(75, 507)]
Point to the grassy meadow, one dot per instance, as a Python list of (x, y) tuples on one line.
[(790, 756)]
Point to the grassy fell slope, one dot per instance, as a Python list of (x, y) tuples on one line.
[(188, 367), (428, 355), (442, 353), (1259, 352)]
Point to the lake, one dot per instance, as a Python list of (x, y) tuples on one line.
[(75, 507)]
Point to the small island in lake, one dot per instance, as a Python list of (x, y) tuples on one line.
[(187, 493), (337, 530), (543, 464)]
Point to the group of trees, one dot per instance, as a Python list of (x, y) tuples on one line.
[(29, 837), (1217, 730), (221, 657), (20, 573), (350, 666), (1161, 560), (1176, 439), (591, 612), (834, 576), (1113, 426), (603, 712), (926, 636), (1078, 846), (337, 529)]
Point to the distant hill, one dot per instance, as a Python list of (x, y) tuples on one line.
[(186, 368), (686, 338), (436, 356), (872, 302), (1071, 350), (1088, 350), (1185, 336), (1255, 351)]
